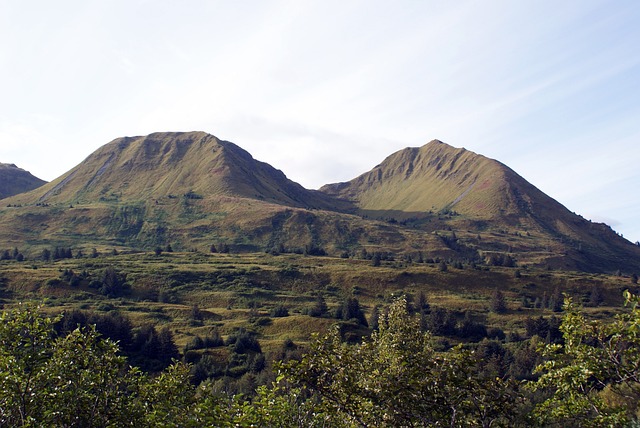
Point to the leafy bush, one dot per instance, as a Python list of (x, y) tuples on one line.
[(280, 311)]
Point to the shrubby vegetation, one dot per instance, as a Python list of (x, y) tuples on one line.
[(62, 371)]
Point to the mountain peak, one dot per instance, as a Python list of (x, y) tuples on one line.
[(170, 164), (194, 187), (14, 180), (430, 178)]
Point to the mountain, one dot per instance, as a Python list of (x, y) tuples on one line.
[(479, 194), (189, 189), (434, 178), (192, 190), (14, 180), (169, 164)]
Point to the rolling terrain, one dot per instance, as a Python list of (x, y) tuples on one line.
[(187, 238), (480, 195), (192, 190)]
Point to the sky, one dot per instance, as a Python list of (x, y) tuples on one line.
[(325, 90)]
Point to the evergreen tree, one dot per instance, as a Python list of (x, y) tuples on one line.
[(595, 296), (350, 309), (375, 260), (319, 309), (422, 303), (374, 318), (442, 322), (555, 301), (498, 302)]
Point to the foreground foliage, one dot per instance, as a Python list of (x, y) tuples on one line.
[(395, 378), (398, 379), (595, 376)]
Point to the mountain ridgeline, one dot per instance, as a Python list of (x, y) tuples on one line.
[(14, 180), (192, 190), (168, 164)]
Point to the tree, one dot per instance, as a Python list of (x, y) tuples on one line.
[(470, 329), (196, 316), (593, 372), (319, 308), (350, 309), (556, 300), (422, 302), (280, 311), (73, 380), (441, 322), (114, 283), (595, 296), (80, 380), (397, 379), (374, 318), (375, 260), (498, 302)]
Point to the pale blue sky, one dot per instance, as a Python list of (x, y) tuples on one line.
[(325, 90)]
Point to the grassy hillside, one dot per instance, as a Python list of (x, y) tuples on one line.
[(476, 194), (432, 178), (238, 290), (191, 190), (134, 169)]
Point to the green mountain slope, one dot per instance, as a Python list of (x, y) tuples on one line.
[(173, 164), (192, 190), (188, 189), (438, 177), (481, 194)]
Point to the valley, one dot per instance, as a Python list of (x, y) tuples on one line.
[(273, 296)]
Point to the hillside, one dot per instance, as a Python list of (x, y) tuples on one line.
[(439, 178), (192, 190), (14, 180), (169, 164), (479, 194)]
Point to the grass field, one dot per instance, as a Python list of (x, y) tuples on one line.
[(234, 290)]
